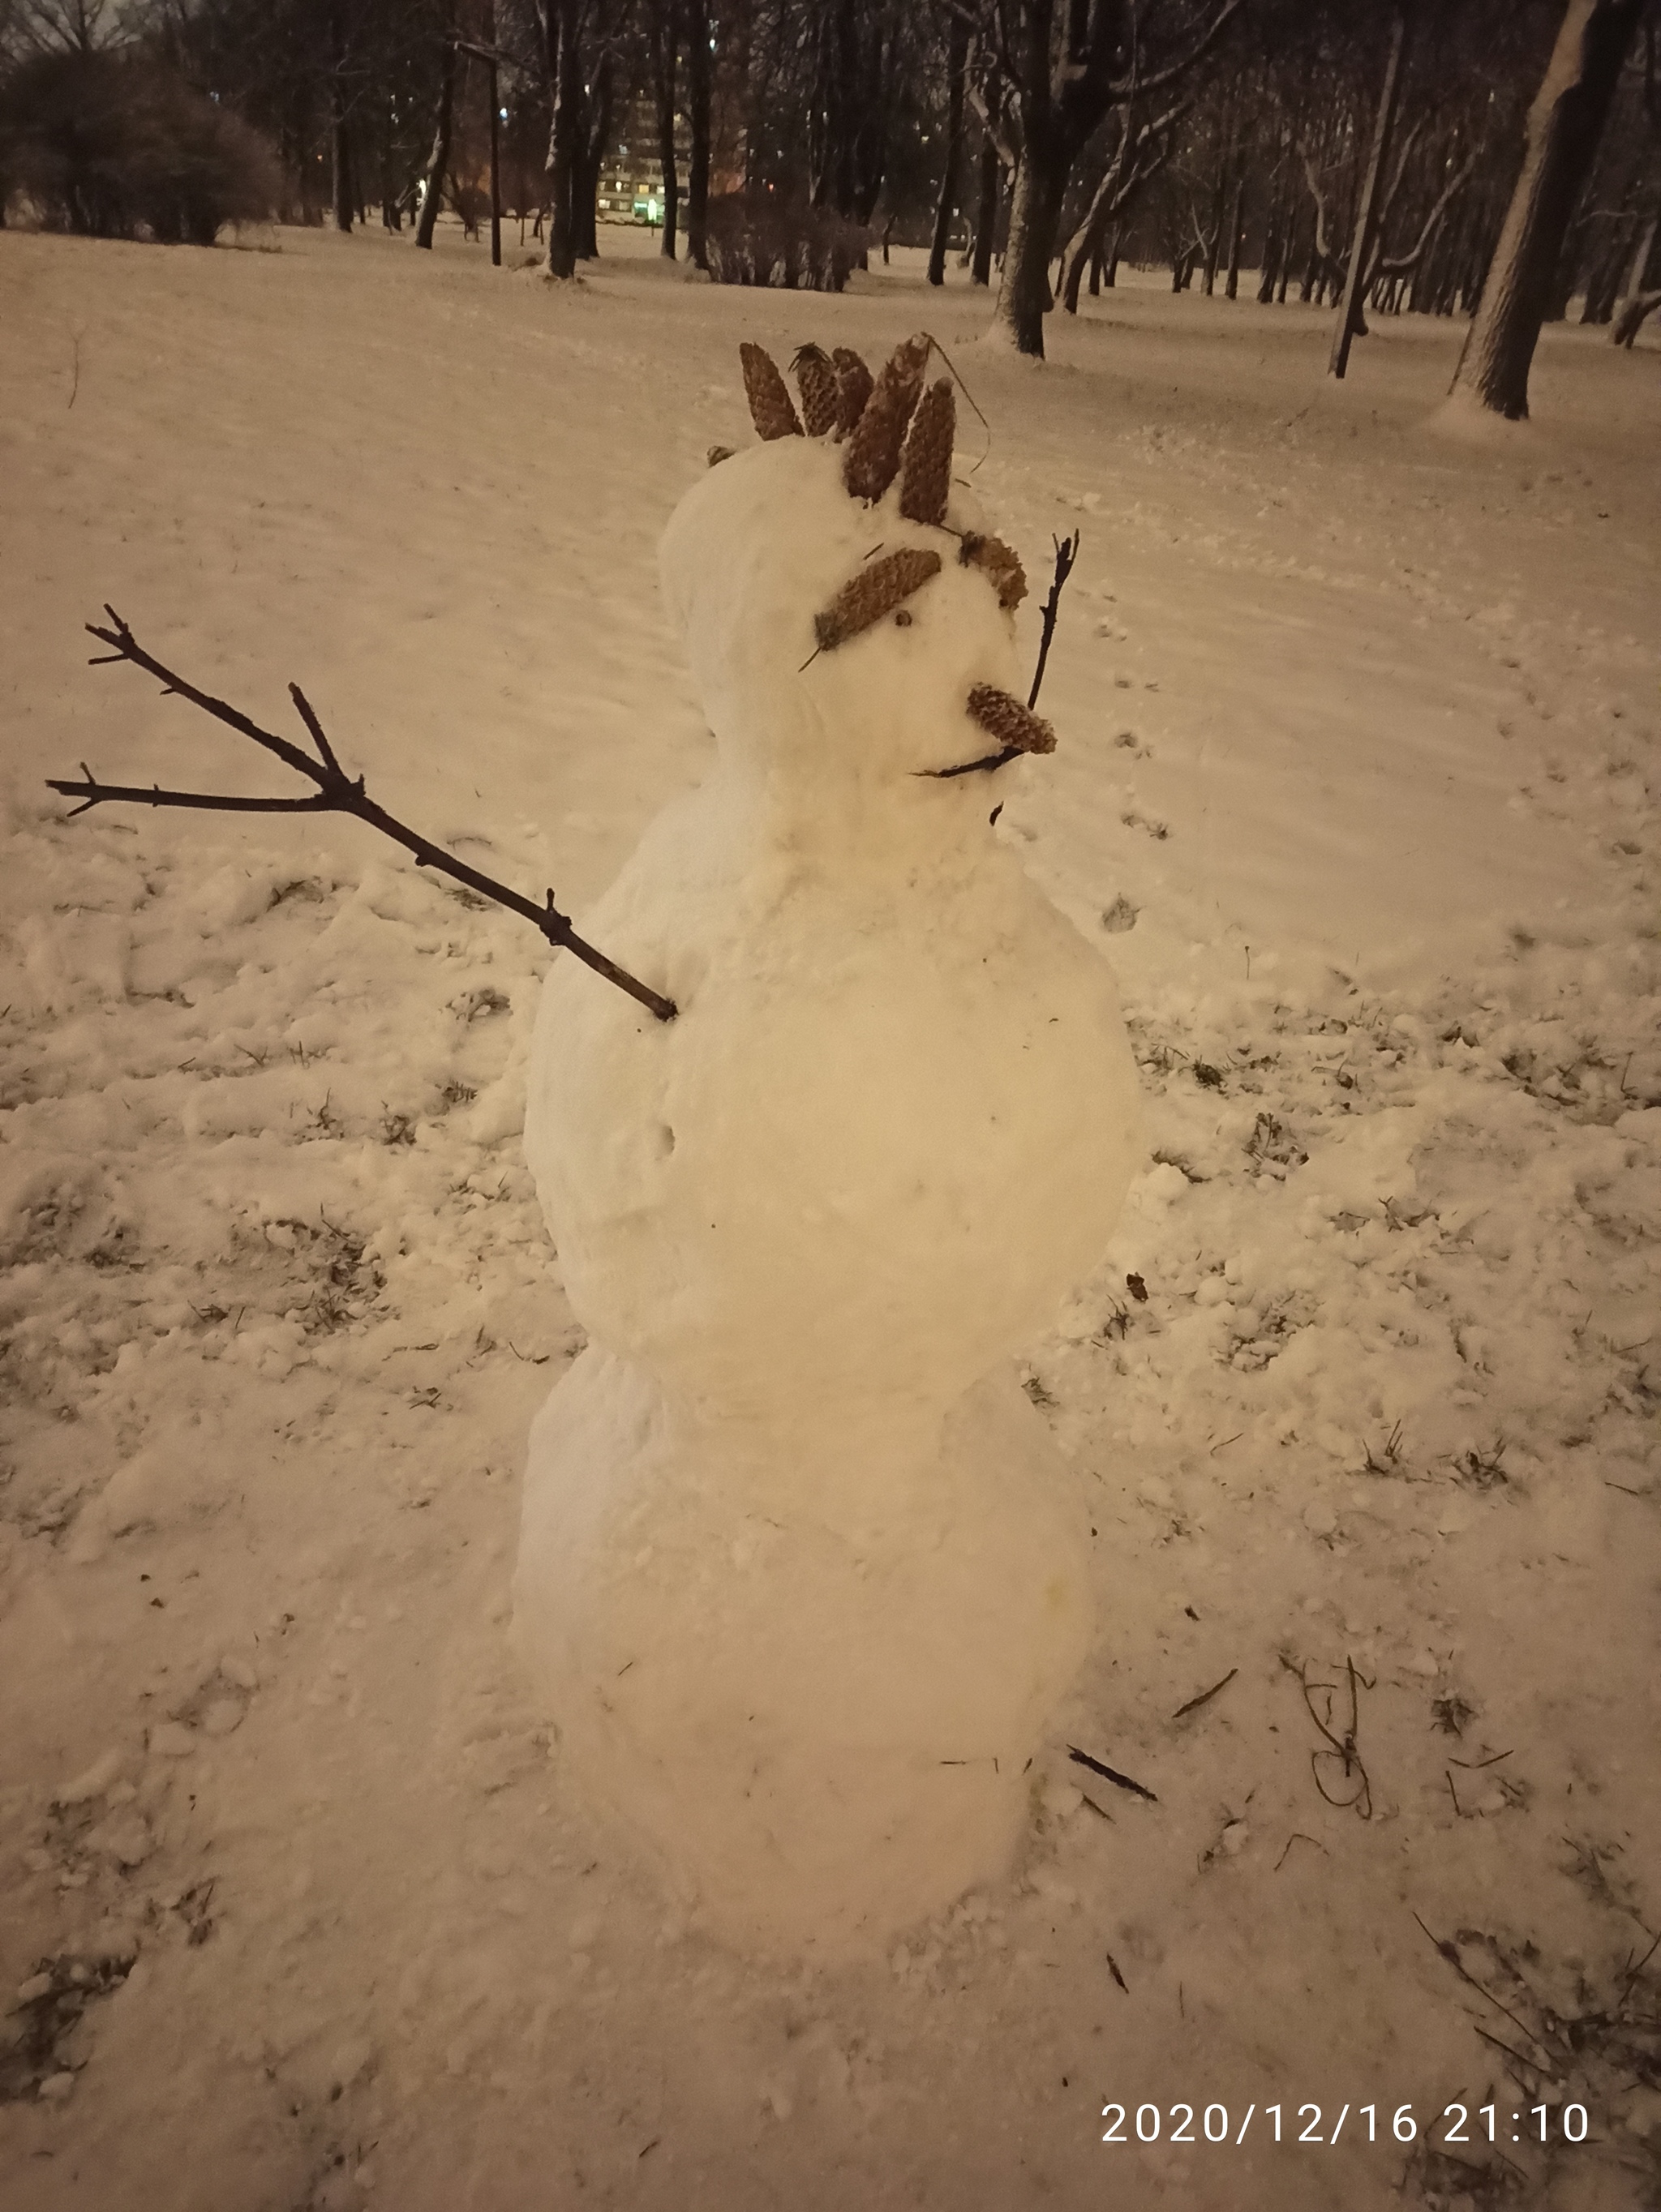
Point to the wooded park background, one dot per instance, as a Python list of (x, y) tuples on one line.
[(1381, 154)]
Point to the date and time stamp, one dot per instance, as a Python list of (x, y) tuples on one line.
[(1473, 2126)]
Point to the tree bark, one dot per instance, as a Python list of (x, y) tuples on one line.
[(1236, 237), (438, 160), (986, 217), (563, 63), (957, 57), (1073, 61), (1035, 211), (1350, 323), (591, 152), (340, 148), (1137, 156), (663, 23), (1632, 285), (1564, 127), (697, 100), (1631, 319), (493, 89)]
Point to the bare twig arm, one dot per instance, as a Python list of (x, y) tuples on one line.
[(1066, 552), (336, 793)]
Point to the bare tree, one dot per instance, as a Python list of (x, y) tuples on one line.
[(1140, 151), (76, 27), (438, 162), (1065, 64), (1632, 302), (1565, 124), (697, 103), (957, 65), (342, 187), (663, 29), (1367, 206)]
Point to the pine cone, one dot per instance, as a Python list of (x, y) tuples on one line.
[(1000, 563), (877, 590), (872, 458), (821, 397), (771, 409), (1016, 728), (853, 386), (926, 464)]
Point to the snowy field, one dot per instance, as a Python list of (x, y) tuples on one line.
[(1359, 786)]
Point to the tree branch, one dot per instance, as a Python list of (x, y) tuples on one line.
[(336, 793), (1066, 552), (1207, 38), (1402, 265), (1323, 242)]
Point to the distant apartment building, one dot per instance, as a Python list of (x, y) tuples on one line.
[(631, 170)]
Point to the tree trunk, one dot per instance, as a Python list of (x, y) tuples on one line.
[(1630, 320), (986, 217), (1236, 232), (1603, 279), (563, 65), (1632, 283), (344, 190), (697, 100), (664, 26), (438, 160), (1274, 247), (1213, 241), (1350, 323), (1565, 124), (956, 59), (1034, 218), (591, 152), (1083, 249), (493, 89), (340, 150)]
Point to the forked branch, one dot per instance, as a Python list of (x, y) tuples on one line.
[(336, 793)]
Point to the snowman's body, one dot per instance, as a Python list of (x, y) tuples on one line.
[(801, 1571)]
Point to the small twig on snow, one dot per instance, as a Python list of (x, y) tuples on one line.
[(1109, 1774), (1205, 1696)]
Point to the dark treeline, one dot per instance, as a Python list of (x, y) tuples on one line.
[(1037, 143)]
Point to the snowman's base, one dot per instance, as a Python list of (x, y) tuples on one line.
[(806, 1662)]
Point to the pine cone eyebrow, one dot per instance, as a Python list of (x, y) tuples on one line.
[(875, 590), (999, 562)]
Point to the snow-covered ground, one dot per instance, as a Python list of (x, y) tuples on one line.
[(1358, 785)]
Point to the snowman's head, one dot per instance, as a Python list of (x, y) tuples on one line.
[(846, 615)]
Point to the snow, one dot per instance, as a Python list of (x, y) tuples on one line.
[(1360, 719)]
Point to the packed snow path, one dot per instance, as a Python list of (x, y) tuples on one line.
[(1358, 772)]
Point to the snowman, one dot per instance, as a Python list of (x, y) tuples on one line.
[(802, 1577)]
